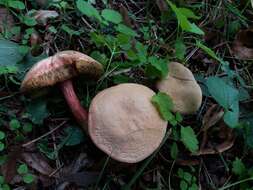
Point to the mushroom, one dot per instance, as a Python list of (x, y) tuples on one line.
[(124, 123), (60, 68), (183, 89), (243, 44)]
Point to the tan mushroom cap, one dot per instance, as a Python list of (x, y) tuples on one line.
[(243, 44), (60, 67), (182, 87), (124, 124)]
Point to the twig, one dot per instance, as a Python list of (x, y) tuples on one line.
[(43, 136)]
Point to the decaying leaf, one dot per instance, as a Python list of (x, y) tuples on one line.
[(37, 162), (6, 20), (162, 5), (243, 44), (42, 16), (124, 12)]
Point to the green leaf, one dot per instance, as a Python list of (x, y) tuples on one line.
[(189, 139), (183, 185), (87, 9), (22, 169), (183, 21), (188, 13), (70, 31), (227, 97), (37, 110), (207, 50), (180, 49), (164, 105), (157, 67), (2, 135), (174, 151), (2, 146), (126, 30), (29, 21), (9, 56), (14, 124), (238, 168), (28, 178), (142, 52), (75, 136), (16, 4), (27, 127), (112, 16)]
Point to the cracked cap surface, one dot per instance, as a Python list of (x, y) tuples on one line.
[(60, 67)]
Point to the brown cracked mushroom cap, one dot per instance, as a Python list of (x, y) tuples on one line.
[(124, 123), (243, 44), (60, 68), (182, 87)]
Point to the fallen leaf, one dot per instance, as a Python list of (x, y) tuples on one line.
[(243, 44), (124, 12), (6, 20), (162, 5), (8, 169), (42, 16), (37, 162)]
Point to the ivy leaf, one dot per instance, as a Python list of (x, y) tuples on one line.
[(238, 167), (227, 96), (164, 105), (87, 9), (37, 111), (112, 16), (189, 139)]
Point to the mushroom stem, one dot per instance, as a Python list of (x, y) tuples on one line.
[(77, 110)]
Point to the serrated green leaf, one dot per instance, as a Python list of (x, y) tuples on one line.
[(87, 9), (14, 124), (111, 16), (189, 139), (164, 105), (157, 67), (183, 185)]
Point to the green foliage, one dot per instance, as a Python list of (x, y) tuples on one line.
[(227, 97), (187, 180), (189, 138), (87, 9), (24, 172), (74, 136), (13, 4), (238, 167), (111, 16), (182, 16)]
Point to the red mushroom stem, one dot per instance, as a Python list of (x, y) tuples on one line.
[(77, 110)]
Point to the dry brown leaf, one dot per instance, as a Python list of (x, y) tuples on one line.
[(162, 5), (37, 162), (8, 170), (124, 12), (243, 44), (42, 16), (6, 20)]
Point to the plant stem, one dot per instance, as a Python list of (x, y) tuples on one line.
[(236, 183)]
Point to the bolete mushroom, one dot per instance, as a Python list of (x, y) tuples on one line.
[(183, 89), (60, 68), (124, 123), (243, 44)]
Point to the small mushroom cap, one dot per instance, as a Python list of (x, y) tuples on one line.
[(182, 87), (60, 67), (243, 44), (124, 123)]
